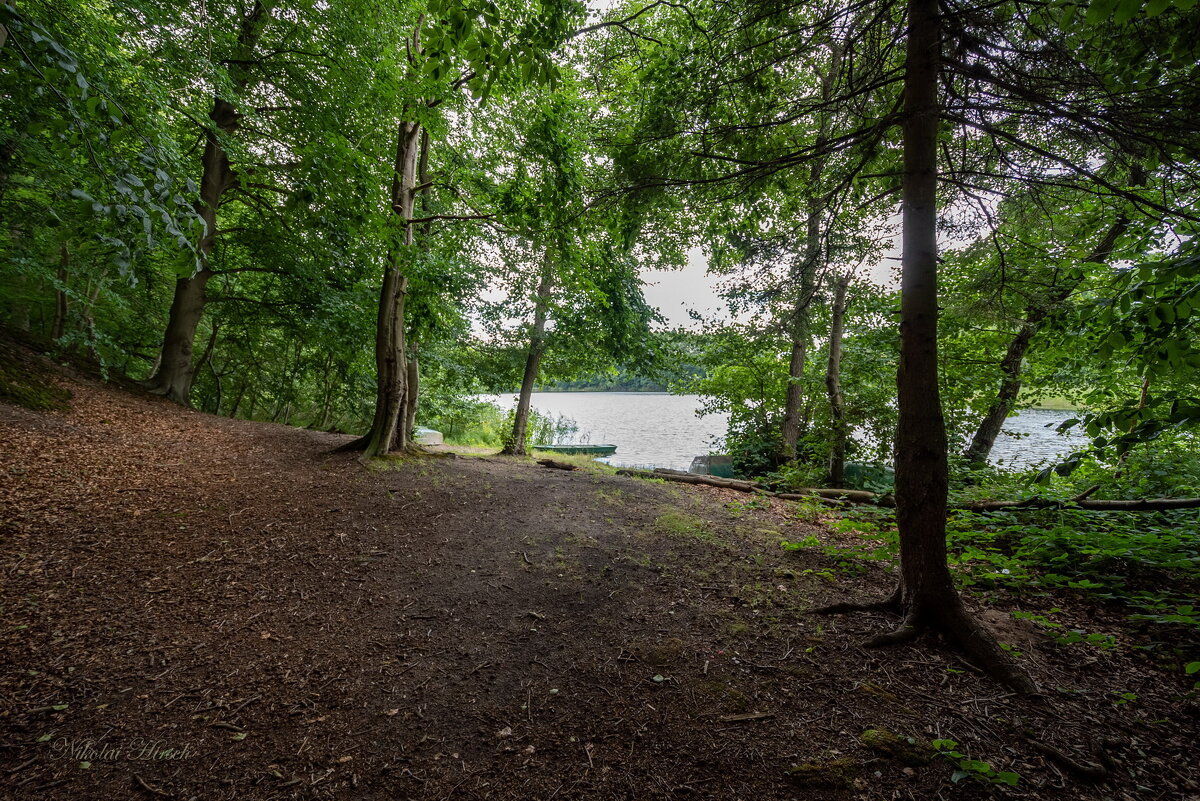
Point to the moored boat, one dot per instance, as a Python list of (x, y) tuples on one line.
[(590, 450)]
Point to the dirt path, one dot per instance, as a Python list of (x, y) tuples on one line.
[(202, 608)]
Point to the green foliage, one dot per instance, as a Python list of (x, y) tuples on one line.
[(967, 768), (1149, 565), (541, 429)]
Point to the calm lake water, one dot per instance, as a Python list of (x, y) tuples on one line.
[(652, 429)]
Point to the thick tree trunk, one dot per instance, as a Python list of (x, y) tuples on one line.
[(926, 594), (176, 368), (60, 295), (388, 431), (833, 384), (533, 360), (173, 376), (989, 428)]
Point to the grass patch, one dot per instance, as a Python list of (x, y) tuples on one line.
[(678, 524)]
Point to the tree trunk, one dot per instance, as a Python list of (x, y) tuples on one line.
[(412, 393), (806, 289), (327, 395), (926, 594), (806, 280), (833, 383), (533, 360), (60, 295), (387, 431), (237, 400), (173, 376), (989, 428), (218, 395), (795, 391)]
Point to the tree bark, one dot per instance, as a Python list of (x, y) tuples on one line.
[(173, 376), (794, 397), (412, 393), (989, 428), (925, 594), (533, 359), (388, 432), (833, 383)]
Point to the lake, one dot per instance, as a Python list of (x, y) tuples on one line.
[(653, 429)]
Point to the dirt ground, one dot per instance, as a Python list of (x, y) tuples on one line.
[(200, 608)]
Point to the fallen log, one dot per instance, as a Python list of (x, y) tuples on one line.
[(1135, 505), (557, 465), (837, 497), (696, 478)]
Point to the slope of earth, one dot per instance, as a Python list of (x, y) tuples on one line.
[(195, 607)]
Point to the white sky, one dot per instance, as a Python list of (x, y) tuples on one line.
[(674, 292)]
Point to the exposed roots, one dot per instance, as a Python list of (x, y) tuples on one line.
[(955, 624), (1096, 771), (892, 604), (908, 631), (980, 646)]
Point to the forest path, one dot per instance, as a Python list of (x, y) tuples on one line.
[(221, 609)]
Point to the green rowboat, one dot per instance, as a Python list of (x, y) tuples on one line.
[(590, 450)]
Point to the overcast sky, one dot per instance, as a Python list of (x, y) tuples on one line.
[(674, 292)]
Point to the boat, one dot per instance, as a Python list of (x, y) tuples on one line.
[(719, 465), (427, 436), (574, 450)]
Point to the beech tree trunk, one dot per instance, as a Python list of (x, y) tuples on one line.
[(533, 359), (984, 439), (389, 427), (833, 383), (175, 370)]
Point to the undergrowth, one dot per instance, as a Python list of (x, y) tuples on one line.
[(1147, 564)]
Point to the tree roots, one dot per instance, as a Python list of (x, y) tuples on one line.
[(955, 624), (1096, 771)]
